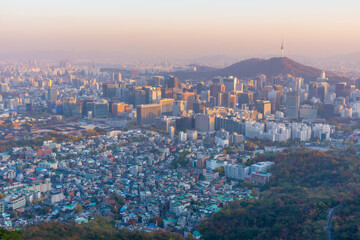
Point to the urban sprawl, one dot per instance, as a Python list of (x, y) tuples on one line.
[(150, 151)]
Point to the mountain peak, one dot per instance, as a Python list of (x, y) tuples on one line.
[(270, 67)]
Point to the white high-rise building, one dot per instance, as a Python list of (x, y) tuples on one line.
[(236, 171), (273, 131), (300, 131), (277, 132), (322, 131), (182, 136), (254, 129)]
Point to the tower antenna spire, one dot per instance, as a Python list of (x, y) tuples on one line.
[(282, 48)]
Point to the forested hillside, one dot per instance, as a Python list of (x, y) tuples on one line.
[(99, 229), (304, 186)]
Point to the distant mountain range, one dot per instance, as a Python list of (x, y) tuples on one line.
[(271, 67)]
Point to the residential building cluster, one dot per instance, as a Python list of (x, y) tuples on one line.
[(134, 164)]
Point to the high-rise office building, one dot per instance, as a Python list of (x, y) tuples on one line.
[(156, 81), (153, 95), (230, 84), (205, 96), (313, 90), (147, 114), (185, 123), (119, 108), (69, 107), (245, 98), (165, 123), (348, 90), (200, 87), (221, 99), (226, 100), (167, 105), (52, 94), (179, 106), (322, 91), (264, 107), (189, 97), (199, 107), (204, 122), (357, 83), (216, 88), (308, 112), (88, 105), (292, 105), (116, 77), (231, 100), (260, 82), (340, 89), (171, 82), (167, 93), (140, 96), (328, 110), (101, 109), (109, 90)]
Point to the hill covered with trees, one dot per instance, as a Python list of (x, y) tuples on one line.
[(296, 202), (98, 229), (347, 220)]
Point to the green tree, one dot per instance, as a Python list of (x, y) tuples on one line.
[(9, 235), (221, 171), (78, 208)]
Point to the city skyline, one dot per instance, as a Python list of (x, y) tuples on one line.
[(183, 29), (182, 120)]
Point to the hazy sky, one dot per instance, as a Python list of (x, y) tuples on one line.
[(181, 28)]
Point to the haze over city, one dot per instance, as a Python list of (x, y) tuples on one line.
[(180, 29), (182, 120)]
